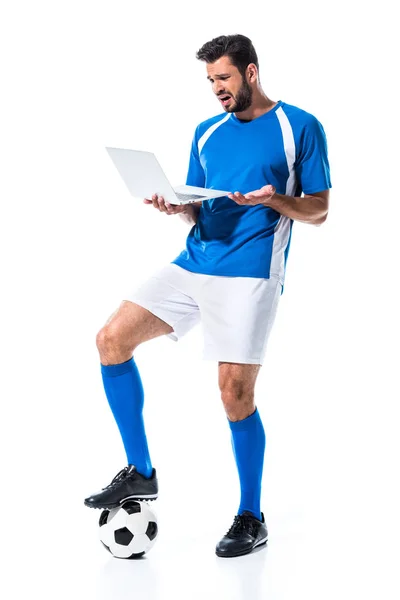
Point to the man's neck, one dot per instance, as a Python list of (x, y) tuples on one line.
[(260, 105)]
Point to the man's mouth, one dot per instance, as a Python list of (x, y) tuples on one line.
[(224, 99)]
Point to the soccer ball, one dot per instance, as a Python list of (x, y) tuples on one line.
[(130, 530)]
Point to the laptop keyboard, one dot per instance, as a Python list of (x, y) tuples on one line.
[(188, 196)]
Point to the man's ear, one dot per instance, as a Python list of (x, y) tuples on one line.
[(252, 72)]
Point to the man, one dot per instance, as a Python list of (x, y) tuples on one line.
[(273, 156)]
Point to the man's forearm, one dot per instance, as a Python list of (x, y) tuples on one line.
[(308, 209), (191, 214)]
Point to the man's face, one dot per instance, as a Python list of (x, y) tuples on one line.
[(231, 89)]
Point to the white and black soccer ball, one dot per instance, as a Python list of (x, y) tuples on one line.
[(130, 530)]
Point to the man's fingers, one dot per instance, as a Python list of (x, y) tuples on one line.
[(160, 204), (156, 201), (238, 197), (173, 209)]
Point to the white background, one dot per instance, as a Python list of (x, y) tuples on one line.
[(77, 76)]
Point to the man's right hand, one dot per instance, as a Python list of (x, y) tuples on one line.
[(170, 209)]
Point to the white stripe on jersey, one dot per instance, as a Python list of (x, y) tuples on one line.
[(290, 149), (282, 229), (209, 132)]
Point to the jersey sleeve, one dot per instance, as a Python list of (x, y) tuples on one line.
[(312, 165), (195, 175)]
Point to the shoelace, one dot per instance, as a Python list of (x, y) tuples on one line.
[(240, 523), (119, 476)]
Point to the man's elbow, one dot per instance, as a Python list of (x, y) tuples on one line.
[(323, 210), (322, 207), (321, 219)]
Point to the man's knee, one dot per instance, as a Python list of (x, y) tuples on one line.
[(238, 403), (235, 389), (110, 342)]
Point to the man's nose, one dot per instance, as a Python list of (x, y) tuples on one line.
[(218, 88)]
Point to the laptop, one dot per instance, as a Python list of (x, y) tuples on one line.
[(143, 176)]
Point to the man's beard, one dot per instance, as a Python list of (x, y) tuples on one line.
[(243, 99)]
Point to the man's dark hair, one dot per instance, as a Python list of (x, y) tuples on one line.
[(239, 48)]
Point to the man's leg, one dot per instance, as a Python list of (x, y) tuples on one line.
[(249, 530), (237, 382), (128, 327)]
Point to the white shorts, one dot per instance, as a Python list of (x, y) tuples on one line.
[(237, 313)]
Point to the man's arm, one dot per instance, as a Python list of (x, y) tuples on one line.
[(309, 208), (191, 213)]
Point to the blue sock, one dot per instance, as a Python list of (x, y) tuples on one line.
[(248, 443), (124, 391)]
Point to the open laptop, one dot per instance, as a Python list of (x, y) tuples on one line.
[(144, 177)]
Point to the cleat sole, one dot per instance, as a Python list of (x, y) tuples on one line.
[(117, 504), (243, 552)]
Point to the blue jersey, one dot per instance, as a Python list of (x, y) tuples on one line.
[(285, 147)]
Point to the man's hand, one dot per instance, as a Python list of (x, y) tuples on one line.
[(253, 198), (170, 209)]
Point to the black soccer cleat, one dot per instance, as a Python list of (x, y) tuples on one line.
[(246, 533), (127, 484)]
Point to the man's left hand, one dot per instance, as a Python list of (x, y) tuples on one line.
[(260, 196)]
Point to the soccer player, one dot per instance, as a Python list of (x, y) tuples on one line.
[(273, 157)]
